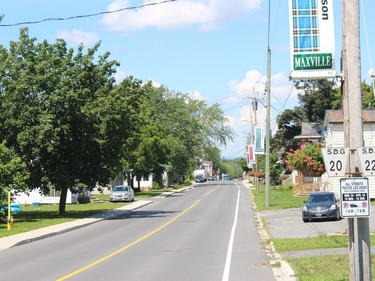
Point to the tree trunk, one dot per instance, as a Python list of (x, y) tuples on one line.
[(132, 180), (139, 182), (62, 203)]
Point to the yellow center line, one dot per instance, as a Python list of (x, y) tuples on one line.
[(212, 190), (127, 246)]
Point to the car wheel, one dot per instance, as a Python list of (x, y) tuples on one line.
[(305, 220)]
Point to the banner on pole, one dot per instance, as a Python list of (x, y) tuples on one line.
[(250, 154), (259, 139), (312, 39)]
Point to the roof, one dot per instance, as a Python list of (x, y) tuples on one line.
[(310, 131), (336, 116)]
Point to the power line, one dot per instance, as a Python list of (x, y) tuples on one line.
[(88, 15)]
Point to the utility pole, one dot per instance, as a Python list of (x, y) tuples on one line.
[(268, 114), (359, 233), (256, 181), (268, 128)]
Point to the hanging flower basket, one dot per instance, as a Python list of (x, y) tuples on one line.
[(307, 160), (311, 173)]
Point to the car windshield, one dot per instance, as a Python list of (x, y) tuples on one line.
[(120, 188), (321, 198)]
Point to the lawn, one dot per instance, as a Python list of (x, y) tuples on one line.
[(280, 198), (32, 218), (323, 268)]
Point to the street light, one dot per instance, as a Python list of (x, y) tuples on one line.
[(372, 75)]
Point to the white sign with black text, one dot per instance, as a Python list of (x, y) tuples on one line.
[(355, 199), (335, 160), (367, 158)]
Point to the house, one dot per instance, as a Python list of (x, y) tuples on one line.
[(335, 137), (36, 197), (310, 133)]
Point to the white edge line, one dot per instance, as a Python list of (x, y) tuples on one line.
[(231, 239)]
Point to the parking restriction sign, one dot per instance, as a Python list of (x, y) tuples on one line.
[(355, 201)]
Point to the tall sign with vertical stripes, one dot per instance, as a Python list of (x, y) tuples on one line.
[(251, 154), (312, 39), (259, 139)]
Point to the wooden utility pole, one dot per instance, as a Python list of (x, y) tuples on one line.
[(268, 129), (359, 230), (254, 103), (268, 113)]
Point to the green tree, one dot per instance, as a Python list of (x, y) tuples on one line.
[(172, 130), (316, 97), (289, 124), (60, 113), (13, 173)]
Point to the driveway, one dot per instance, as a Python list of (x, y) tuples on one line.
[(288, 224)]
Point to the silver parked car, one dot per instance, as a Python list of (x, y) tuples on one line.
[(121, 193)]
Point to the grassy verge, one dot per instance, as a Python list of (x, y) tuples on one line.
[(325, 268), (32, 218), (280, 198)]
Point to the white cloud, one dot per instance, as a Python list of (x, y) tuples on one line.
[(196, 95), (254, 81), (77, 37), (119, 75), (283, 96), (207, 14), (282, 90)]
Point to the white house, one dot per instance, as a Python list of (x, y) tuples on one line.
[(334, 137), (35, 196)]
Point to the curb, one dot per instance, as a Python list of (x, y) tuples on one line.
[(284, 272), (34, 235)]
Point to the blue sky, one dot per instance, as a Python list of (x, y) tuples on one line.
[(214, 50)]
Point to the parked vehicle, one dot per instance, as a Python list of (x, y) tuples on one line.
[(200, 178), (321, 206), (121, 193)]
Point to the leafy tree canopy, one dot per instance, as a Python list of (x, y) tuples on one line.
[(13, 173), (55, 113)]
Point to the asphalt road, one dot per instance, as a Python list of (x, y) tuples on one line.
[(202, 234)]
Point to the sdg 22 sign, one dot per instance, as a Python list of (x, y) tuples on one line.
[(335, 160), (367, 157)]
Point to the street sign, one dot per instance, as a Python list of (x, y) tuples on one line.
[(355, 199), (335, 160), (367, 158)]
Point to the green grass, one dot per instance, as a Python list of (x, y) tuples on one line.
[(323, 268), (280, 198), (311, 243), (301, 244), (32, 218)]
